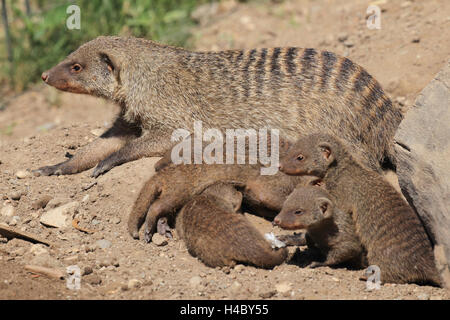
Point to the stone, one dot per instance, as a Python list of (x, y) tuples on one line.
[(16, 195), (14, 221), (7, 211), (133, 284), (41, 202), (283, 288), (422, 146), (22, 174), (38, 249), (159, 240), (236, 287), (60, 217)]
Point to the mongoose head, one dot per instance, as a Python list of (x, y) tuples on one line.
[(305, 206), (311, 155), (105, 65), (94, 68), (228, 197)]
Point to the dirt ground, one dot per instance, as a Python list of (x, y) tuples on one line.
[(39, 127)]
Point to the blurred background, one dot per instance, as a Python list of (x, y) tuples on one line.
[(411, 46), (34, 34)]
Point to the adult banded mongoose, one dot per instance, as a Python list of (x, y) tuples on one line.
[(389, 229), (161, 88), (329, 230), (219, 236)]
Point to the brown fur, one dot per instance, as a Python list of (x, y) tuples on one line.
[(161, 88), (219, 236), (389, 229), (172, 187), (329, 230)]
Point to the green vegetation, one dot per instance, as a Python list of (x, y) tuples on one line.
[(40, 38)]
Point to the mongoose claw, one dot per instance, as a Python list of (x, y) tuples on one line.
[(101, 168), (148, 236)]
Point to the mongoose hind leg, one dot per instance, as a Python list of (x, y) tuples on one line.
[(149, 192), (160, 208), (163, 228)]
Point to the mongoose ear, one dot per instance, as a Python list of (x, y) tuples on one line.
[(238, 203), (111, 63), (325, 206), (327, 152), (314, 181)]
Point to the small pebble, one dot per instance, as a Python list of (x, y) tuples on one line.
[(22, 174), (133, 283), (159, 240), (7, 211)]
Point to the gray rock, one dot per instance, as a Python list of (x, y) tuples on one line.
[(422, 145), (60, 217)]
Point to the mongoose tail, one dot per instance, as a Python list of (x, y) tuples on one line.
[(389, 229)]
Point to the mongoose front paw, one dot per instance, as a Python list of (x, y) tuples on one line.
[(48, 170), (101, 168), (148, 235), (316, 264)]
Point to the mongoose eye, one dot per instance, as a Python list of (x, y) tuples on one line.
[(300, 157), (76, 67), (298, 212)]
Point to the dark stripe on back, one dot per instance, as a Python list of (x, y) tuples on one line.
[(239, 57), (308, 63), (290, 58), (274, 64), (246, 74), (260, 71), (347, 68), (362, 80), (328, 62)]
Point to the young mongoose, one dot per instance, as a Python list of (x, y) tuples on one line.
[(161, 88), (172, 187), (328, 229), (219, 236), (389, 229)]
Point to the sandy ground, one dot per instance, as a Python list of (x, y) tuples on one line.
[(39, 127)]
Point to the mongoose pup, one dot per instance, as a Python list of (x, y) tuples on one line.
[(170, 188), (219, 236), (161, 88), (389, 229), (329, 230)]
